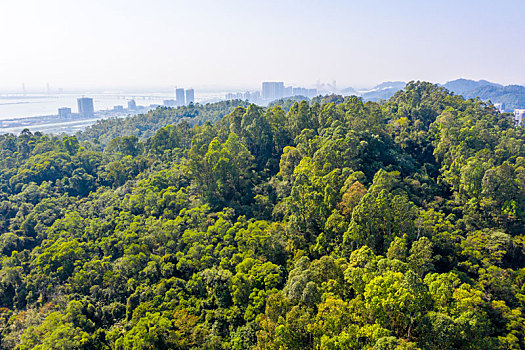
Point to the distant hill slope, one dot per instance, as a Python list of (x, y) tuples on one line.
[(463, 86), (348, 91), (391, 85), (146, 125), (383, 91), (513, 96)]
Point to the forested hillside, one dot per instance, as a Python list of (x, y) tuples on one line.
[(145, 125), (335, 224), (511, 96)]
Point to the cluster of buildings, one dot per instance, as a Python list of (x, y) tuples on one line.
[(276, 90), (132, 105), (254, 96), (519, 114), (86, 108), (182, 98), (272, 90)]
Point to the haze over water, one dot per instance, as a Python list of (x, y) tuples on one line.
[(34, 105)]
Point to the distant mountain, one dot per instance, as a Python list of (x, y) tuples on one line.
[(390, 85), (463, 86), (383, 91), (512, 96), (348, 91)]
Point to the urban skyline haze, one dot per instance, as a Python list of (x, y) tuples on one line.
[(237, 44)]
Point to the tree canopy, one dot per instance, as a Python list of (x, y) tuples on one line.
[(323, 224)]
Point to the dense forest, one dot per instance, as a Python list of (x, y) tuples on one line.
[(145, 125), (323, 224)]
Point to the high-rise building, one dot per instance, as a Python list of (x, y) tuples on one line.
[(234, 96), (299, 91), (64, 112), (312, 93), (500, 107), (255, 96), (85, 107), (272, 90), (132, 105), (519, 116), (190, 96), (179, 96)]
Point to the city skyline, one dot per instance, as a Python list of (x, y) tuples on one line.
[(221, 45), (322, 87)]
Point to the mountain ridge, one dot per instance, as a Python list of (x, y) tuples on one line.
[(510, 96)]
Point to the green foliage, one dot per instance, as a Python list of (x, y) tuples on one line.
[(329, 224)]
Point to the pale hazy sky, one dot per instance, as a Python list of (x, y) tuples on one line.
[(230, 43)]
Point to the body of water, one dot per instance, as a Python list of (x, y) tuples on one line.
[(34, 105)]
